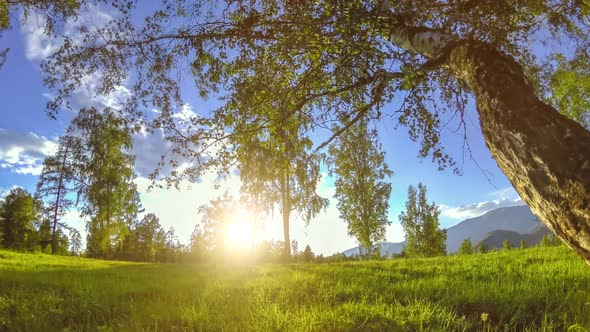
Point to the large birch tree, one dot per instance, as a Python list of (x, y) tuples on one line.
[(347, 60)]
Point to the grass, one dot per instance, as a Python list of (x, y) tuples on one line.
[(538, 289)]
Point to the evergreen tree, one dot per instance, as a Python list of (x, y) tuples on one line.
[(420, 223), (466, 247), (482, 249), (361, 190), (308, 254), (59, 178)]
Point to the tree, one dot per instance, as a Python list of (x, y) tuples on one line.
[(523, 244), (546, 241), (466, 247), (336, 57), (51, 12), (58, 179), (110, 196), (294, 247), (198, 245), (308, 254), (275, 164), (420, 223), (75, 242), (361, 190), (507, 245), (18, 211), (482, 249), (215, 220)]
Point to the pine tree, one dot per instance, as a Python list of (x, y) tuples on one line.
[(466, 247), (59, 179), (308, 254), (420, 223)]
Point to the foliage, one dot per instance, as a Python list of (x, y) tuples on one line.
[(523, 244), (482, 249), (506, 245), (50, 14), (198, 247), (59, 178), (18, 212), (570, 86), (275, 164), (466, 247), (308, 255), (546, 241), (215, 220), (515, 289), (110, 196), (312, 67), (420, 223), (363, 195)]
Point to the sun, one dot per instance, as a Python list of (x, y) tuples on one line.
[(240, 232)]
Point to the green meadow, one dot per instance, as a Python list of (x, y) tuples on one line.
[(537, 289)]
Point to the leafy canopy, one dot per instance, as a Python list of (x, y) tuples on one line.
[(324, 61)]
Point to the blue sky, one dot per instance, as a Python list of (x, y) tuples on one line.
[(27, 135)]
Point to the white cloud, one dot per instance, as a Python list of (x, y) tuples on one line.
[(502, 198), (86, 95), (39, 45), (22, 152), (4, 191)]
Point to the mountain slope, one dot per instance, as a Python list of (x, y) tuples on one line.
[(515, 219), (495, 239)]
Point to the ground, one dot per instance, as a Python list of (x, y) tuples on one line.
[(533, 289)]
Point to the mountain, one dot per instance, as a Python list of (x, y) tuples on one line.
[(515, 222), (495, 239), (517, 219), (387, 249)]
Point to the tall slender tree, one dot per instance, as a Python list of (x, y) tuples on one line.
[(424, 238), (345, 60), (361, 190), (59, 180)]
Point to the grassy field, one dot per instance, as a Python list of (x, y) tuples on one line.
[(535, 289)]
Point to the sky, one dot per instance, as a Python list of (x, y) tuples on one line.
[(27, 135)]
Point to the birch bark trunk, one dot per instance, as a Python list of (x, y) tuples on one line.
[(545, 155)]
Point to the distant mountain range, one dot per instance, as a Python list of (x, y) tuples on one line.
[(513, 223)]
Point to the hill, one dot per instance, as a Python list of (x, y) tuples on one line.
[(517, 219), (495, 239)]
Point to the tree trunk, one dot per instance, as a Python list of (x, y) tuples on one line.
[(286, 211), (57, 203), (545, 155)]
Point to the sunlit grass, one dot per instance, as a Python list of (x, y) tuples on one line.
[(535, 289)]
